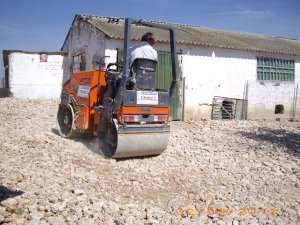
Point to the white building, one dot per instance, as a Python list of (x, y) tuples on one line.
[(33, 74), (253, 75), (212, 63)]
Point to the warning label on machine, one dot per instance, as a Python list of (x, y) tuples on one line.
[(147, 98), (83, 91)]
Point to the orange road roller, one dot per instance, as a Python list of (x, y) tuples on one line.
[(123, 109)]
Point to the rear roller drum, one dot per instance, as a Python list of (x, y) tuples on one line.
[(66, 121)]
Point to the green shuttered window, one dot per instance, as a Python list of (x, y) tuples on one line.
[(270, 69)]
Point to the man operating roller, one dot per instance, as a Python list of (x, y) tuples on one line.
[(144, 49)]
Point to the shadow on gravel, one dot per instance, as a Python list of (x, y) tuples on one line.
[(89, 142), (55, 131), (280, 137), (137, 157), (6, 193)]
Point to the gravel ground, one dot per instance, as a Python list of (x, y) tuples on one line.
[(213, 172)]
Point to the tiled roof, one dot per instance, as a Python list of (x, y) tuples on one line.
[(6, 52), (196, 35)]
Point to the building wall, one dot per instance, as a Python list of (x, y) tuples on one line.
[(210, 72), (213, 72), (31, 78), (264, 96), (207, 72), (83, 39)]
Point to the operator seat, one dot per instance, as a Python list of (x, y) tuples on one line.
[(142, 76)]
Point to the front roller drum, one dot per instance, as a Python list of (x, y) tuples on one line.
[(120, 144)]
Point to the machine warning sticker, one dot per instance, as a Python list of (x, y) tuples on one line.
[(83, 91), (147, 98)]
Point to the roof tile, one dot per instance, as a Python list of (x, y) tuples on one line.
[(196, 35)]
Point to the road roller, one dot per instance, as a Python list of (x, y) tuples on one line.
[(121, 107)]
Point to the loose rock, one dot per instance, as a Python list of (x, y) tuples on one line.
[(213, 172)]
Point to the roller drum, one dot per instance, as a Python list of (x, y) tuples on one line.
[(117, 143), (66, 121)]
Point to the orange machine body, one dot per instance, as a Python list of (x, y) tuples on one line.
[(88, 89), (142, 110)]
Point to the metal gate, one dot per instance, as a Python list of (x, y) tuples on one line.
[(228, 108)]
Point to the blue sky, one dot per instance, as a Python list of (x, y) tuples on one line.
[(42, 25)]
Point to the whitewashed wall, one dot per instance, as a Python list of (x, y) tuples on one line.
[(31, 78), (213, 72), (83, 38), (111, 50), (264, 96), (208, 72)]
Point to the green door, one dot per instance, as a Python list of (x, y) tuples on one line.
[(164, 80)]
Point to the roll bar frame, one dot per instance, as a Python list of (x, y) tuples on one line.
[(126, 56)]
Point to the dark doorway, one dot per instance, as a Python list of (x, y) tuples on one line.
[(227, 109), (279, 109)]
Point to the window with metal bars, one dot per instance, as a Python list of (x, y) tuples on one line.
[(79, 62), (270, 69)]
